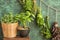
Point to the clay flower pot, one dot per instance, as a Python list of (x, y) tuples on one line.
[(9, 29), (23, 32)]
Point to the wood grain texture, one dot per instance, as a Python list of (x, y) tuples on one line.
[(17, 38)]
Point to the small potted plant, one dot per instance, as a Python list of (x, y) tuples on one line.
[(27, 15), (24, 18), (9, 25)]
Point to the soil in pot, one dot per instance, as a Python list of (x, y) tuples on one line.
[(23, 32)]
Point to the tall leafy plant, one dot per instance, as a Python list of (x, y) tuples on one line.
[(25, 17), (29, 8)]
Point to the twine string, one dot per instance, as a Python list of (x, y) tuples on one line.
[(48, 11), (56, 15)]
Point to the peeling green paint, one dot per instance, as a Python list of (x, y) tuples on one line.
[(13, 6)]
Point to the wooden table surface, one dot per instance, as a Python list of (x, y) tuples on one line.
[(17, 38)]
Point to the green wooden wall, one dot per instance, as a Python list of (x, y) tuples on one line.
[(35, 35), (13, 6)]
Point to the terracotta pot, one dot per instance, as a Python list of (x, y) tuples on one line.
[(9, 29), (23, 32)]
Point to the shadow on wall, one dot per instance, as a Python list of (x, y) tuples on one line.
[(1, 33)]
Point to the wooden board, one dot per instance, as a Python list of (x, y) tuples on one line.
[(17, 38)]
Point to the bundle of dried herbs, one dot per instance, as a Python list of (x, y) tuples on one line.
[(55, 31)]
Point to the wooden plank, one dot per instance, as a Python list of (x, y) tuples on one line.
[(17, 38)]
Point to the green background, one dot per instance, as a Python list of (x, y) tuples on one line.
[(7, 6)]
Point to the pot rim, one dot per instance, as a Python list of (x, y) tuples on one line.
[(24, 29), (8, 23)]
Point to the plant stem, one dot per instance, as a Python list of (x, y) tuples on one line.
[(24, 25)]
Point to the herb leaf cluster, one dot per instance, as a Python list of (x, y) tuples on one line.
[(43, 24), (9, 18)]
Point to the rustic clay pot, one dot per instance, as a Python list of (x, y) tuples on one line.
[(23, 32), (9, 29)]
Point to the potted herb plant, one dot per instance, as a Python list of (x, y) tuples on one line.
[(24, 18), (27, 15), (9, 25)]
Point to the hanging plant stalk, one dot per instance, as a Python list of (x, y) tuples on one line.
[(47, 22), (40, 19), (43, 24), (47, 32)]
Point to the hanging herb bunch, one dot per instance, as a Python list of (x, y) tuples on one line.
[(28, 6), (47, 26), (43, 24), (39, 18)]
